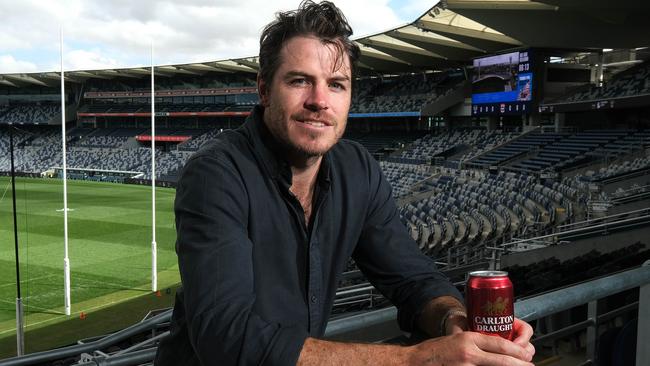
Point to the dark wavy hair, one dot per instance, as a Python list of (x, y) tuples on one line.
[(323, 20)]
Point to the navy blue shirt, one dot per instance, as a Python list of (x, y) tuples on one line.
[(257, 279)]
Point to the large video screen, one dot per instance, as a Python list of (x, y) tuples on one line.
[(502, 84)]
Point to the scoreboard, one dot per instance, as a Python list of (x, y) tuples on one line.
[(503, 84)]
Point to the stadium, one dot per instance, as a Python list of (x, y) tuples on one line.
[(507, 147)]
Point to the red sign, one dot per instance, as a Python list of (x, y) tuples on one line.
[(163, 138), (172, 93), (170, 114)]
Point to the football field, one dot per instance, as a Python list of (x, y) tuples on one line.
[(109, 230)]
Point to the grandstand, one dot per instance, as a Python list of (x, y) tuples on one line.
[(554, 189)]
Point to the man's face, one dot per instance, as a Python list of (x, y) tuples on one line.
[(307, 102)]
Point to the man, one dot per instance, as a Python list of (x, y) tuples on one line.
[(267, 216)]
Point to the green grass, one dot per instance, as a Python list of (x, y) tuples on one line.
[(109, 231)]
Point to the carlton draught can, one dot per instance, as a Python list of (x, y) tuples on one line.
[(489, 298)]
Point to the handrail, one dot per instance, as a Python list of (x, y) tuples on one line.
[(600, 219), (569, 297), (527, 309), (580, 230)]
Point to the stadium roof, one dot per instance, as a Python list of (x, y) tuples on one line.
[(449, 34)]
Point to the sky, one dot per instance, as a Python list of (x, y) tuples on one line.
[(101, 34)]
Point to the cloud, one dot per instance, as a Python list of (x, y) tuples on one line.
[(88, 60), (118, 33), (9, 65)]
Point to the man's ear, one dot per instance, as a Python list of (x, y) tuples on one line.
[(262, 91)]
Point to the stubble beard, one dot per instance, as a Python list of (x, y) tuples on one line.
[(281, 132), (302, 151)]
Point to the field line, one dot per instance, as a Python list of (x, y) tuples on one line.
[(29, 306), (5, 192), (120, 287), (26, 281)]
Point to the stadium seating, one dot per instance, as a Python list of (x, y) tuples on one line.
[(30, 113), (400, 93), (632, 82), (627, 167), (538, 152), (403, 177), (382, 143), (468, 142), (198, 140), (476, 208)]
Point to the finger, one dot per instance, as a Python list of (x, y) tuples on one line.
[(454, 329), (495, 344), (530, 349), (456, 324), (522, 332)]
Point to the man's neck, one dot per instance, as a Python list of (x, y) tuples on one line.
[(303, 182), (303, 175)]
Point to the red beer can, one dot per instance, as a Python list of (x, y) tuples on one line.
[(490, 309)]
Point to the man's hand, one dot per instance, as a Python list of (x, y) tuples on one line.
[(461, 348), (469, 348), (522, 334)]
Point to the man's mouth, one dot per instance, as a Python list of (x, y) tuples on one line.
[(315, 123)]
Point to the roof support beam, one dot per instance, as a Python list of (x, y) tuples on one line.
[(367, 51), (411, 33), (205, 68), (140, 71), (88, 74), (450, 29), (25, 79), (234, 66), (176, 70), (128, 74), (252, 64), (499, 5), (4, 81), (398, 45)]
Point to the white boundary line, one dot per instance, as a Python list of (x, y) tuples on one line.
[(31, 306), (27, 280)]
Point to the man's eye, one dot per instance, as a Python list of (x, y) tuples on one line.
[(298, 82), (338, 86)]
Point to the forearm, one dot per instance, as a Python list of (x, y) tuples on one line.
[(324, 353), (430, 319)]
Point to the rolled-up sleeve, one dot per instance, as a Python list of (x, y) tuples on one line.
[(392, 261), (215, 261)]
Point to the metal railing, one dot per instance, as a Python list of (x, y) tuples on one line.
[(91, 347), (553, 302), (624, 220), (528, 309)]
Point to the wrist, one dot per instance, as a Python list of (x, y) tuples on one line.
[(415, 355)]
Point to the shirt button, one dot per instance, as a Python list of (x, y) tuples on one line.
[(314, 299)]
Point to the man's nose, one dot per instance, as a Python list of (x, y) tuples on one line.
[(317, 98)]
